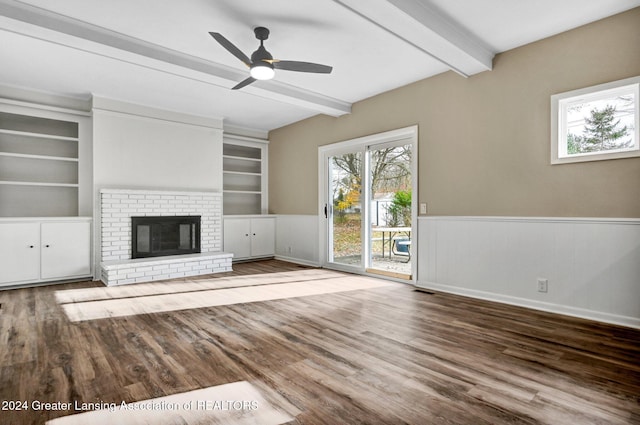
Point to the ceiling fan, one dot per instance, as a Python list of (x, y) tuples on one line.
[(262, 65)]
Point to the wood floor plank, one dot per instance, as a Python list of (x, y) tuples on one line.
[(383, 355)]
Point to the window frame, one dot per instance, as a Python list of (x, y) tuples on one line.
[(558, 127)]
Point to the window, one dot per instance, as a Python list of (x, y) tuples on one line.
[(596, 123)]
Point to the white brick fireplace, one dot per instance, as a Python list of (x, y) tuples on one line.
[(117, 206)]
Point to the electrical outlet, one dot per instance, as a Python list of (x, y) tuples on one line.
[(543, 285)]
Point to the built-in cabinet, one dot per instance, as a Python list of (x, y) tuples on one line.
[(45, 185), (244, 169), (40, 173), (47, 249), (250, 237), (248, 232)]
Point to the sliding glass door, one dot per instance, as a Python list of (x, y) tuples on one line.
[(390, 213), (344, 209), (366, 188)]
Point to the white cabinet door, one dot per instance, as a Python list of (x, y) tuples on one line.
[(237, 237), (263, 237), (19, 252), (66, 250), (250, 237)]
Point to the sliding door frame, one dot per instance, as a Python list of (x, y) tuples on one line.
[(408, 134)]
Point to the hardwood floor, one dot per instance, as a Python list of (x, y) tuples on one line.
[(386, 355)]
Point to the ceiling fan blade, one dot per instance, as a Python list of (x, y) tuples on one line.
[(302, 66), (231, 48), (243, 83)]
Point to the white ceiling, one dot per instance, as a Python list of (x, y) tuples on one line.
[(159, 53)]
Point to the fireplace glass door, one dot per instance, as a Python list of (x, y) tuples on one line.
[(160, 236)]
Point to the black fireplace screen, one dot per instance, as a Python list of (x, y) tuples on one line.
[(164, 235)]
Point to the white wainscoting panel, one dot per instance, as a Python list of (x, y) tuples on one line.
[(297, 239), (592, 265)]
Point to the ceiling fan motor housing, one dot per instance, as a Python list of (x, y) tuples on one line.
[(260, 55)]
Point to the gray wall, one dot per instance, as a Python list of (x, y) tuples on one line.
[(484, 142)]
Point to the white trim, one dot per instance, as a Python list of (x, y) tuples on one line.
[(246, 141), (585, 220), (42, 111), (147, 118), (296, 260), (45, 219), (30, 97), (249, 216), (245, 133), (373, 139), (632, 322), (128, 109), (23, 104)]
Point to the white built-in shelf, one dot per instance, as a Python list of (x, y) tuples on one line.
[(243, 173), (242, 158), (244, 162), (39, 162), (44, 157), (44, 184), (255, 192), (37, 135)]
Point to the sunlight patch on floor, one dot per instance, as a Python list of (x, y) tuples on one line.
[(120, 301), (189, 284), (237, 403)]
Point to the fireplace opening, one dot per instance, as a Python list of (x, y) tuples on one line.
[(164, 235)]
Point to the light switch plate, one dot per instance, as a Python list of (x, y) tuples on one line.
[(423, 208)]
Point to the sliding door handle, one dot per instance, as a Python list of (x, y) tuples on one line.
[(326, 211)]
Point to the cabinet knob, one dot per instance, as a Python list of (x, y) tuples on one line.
[(246, 234), (31, 246), (47, 246), (254, 234)]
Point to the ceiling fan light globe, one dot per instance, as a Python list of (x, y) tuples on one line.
[(262, 72)]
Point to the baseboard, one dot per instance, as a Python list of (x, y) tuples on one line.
[(48, 282), (298, 261), (632, 322)]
